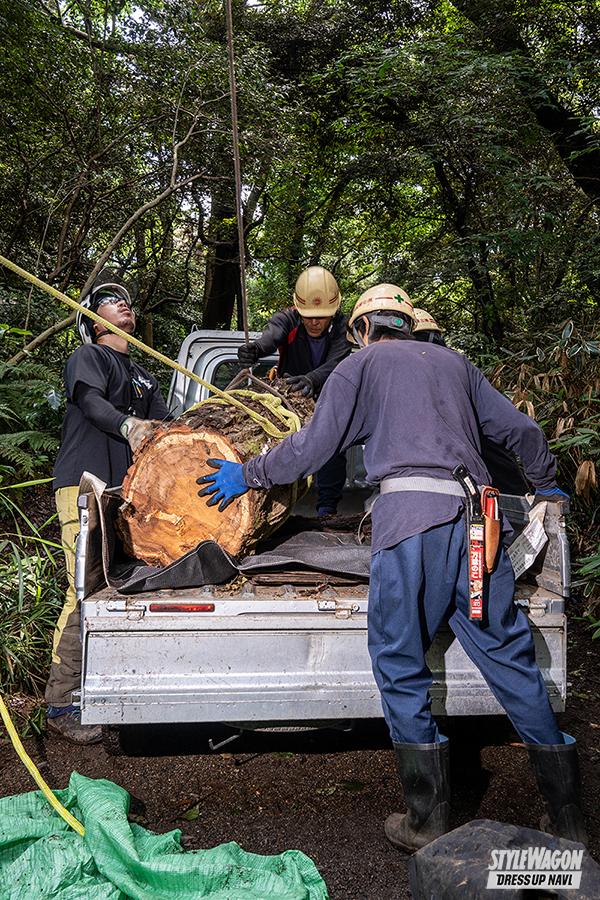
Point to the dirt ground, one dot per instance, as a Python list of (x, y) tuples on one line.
[(326, 793)]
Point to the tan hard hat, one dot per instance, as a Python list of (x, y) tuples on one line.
[(317, 294), (424, 321), (381, 297)]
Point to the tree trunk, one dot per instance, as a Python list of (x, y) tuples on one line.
[(572, 135), (222, 280), (162, 516)]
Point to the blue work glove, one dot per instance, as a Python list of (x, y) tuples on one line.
[(552, 495), (302, 384), (226, 484)]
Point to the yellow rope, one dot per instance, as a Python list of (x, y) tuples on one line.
[(269, 401), (35, 773), (266, 424)]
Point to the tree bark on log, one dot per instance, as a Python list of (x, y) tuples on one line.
[(162, 516)]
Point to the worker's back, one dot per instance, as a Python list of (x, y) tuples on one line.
[(419, 412), (416, 415)]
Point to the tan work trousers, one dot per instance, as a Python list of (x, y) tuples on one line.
[(65, 669)]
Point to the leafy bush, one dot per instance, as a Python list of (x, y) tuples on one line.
[(31, 598), (31, 594), (30, 400), (589, 576), (555, 378)]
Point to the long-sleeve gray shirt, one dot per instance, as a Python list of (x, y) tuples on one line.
[(418, 409)]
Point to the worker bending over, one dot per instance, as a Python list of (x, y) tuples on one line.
[(419, 410), (310, 338), (110, 399)]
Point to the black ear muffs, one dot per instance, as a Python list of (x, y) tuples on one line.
[(391, 322), (359, 335)]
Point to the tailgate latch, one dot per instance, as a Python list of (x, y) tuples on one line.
[(342, 611)]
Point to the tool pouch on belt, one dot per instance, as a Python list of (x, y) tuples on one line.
[(490, 504)]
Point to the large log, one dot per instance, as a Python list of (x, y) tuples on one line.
[(162, 516)]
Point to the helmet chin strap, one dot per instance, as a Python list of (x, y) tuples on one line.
[(101, 334), (358, 337)]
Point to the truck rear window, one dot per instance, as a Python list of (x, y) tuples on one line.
[(226, 371)]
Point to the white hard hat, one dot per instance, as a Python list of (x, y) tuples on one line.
[(317, 295), (93, 300), (381, 298)]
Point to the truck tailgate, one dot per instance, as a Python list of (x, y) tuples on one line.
[(270, 654)]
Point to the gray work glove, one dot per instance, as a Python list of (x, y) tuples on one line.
[(135, 431)]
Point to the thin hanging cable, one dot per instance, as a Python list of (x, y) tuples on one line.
[(236, 166)]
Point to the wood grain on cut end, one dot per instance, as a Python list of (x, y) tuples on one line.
[(162, 516)]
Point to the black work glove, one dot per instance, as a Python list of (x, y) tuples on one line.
[(301, 384), (248, 354)]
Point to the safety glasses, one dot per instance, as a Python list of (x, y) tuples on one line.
[(113, 299)]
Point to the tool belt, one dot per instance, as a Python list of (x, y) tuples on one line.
[(483, 522)]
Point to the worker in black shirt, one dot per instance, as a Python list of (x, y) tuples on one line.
[(110, 402), (310, 338)]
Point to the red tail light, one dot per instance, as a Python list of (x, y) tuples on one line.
[(181, 607)]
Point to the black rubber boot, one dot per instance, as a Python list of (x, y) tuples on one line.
[(425, 775), (556, 768)]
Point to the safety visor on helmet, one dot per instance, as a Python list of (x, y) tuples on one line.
[(109, 293)]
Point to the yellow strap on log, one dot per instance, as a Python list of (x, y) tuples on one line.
[(35, 772), (274, 405), (269, 401), (266, 424)]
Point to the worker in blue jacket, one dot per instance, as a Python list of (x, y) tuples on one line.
[(310, 339), (419, 409)]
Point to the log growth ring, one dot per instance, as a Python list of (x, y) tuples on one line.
[(161, 508)]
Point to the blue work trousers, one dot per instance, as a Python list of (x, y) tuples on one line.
[(418, 585), (330, 483)]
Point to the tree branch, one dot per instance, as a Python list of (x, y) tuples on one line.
[(112, 45), (41, 339), (65, 323)]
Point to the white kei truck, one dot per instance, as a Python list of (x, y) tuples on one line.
[(279, 650)]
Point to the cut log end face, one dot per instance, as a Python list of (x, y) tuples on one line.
[(163, 517)]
